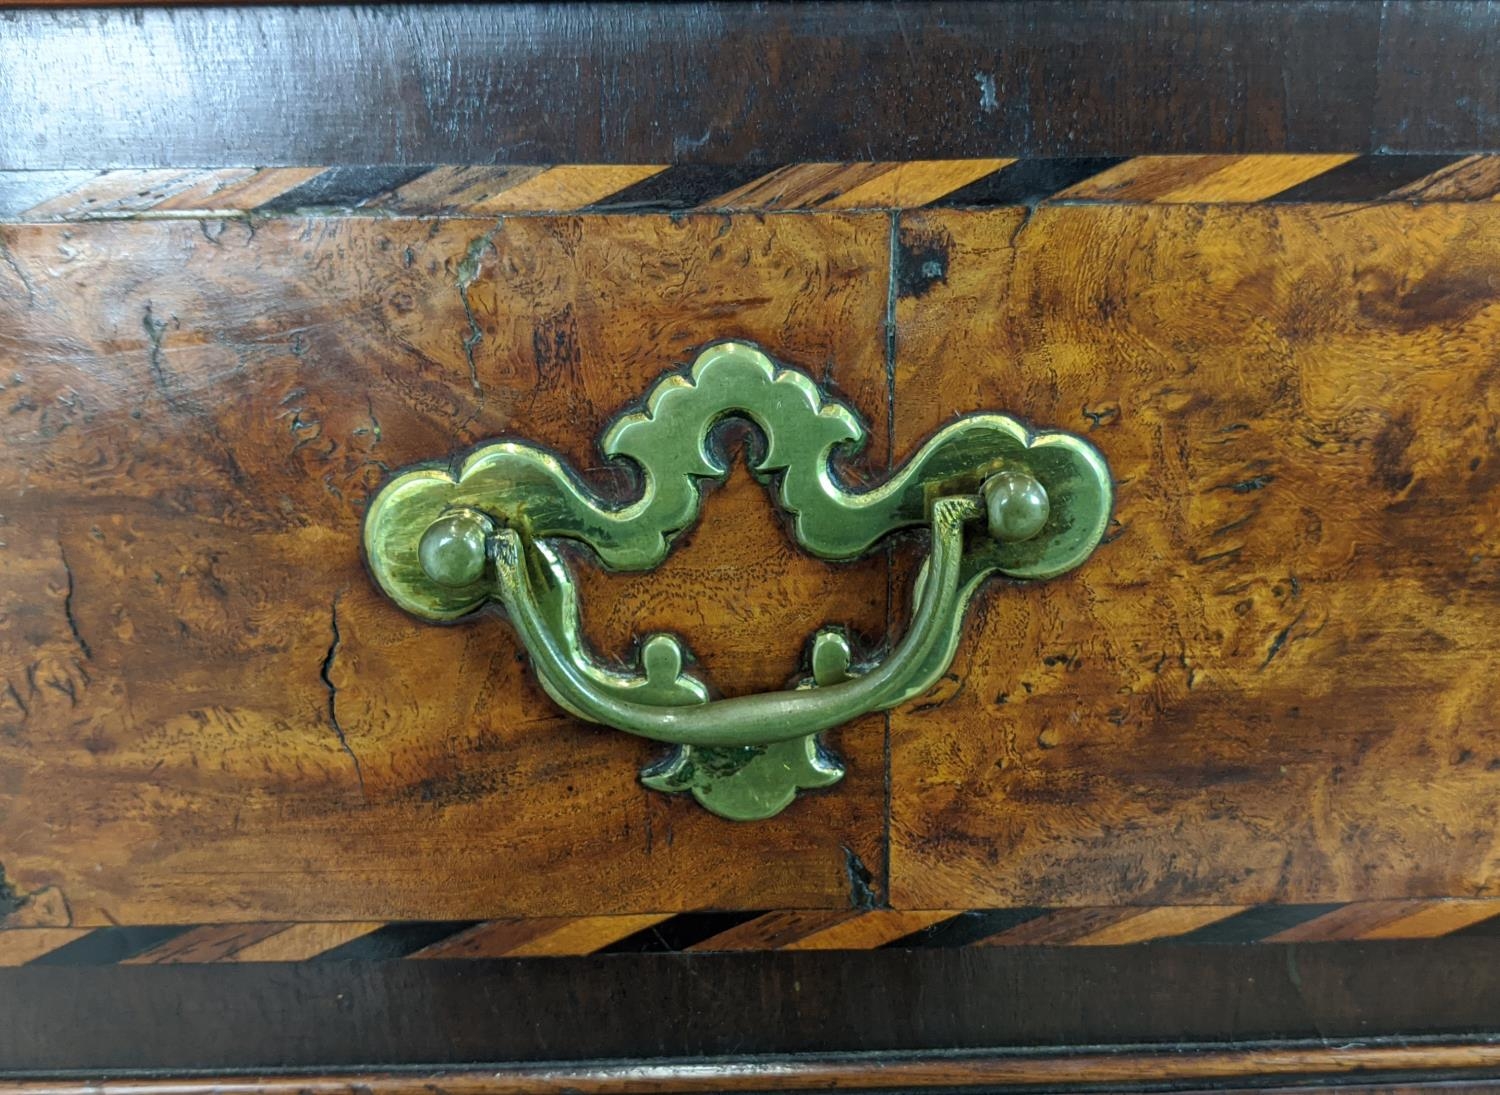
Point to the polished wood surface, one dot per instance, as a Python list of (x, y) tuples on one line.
[(752, 92), (738, 83), (1028, 1001), (209, 712), (1270, 684), (1274, 681), (875, 1072)]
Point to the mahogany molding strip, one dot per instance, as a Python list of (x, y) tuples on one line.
[(454, 190), (1470, 1061)]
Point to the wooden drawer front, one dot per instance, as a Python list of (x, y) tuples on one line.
[(1276, 681), (1272, 683), (218, 716)]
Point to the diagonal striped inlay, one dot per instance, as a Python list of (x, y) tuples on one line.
[(1148, 925), (1190, 179), (1256, 924), (397, 940), (107, 946), (126, 192), (541, 937), (28, 190), (677, 933), (874, 929), (777, 930), (1433, 919), (340, 188), (1058, 927), (1367, 178), (1027, 182), (559, 188), (205, 943), (489, 191), (22, 945), (799, 186), (1473, 178), (713, 932), (679, 188), (967, 928), (235, 189), (917, 183), (304, 941)]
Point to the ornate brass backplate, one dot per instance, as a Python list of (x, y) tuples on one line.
[(444, 540)]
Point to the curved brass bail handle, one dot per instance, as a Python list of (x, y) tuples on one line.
[(445, 539), (913, 666)]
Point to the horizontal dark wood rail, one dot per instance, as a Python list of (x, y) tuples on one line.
[(373, 1016), (730, 83)]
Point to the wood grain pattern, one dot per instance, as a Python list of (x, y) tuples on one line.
[(298, 942), (1184, 179), (1275, 681), (454, 190), (865, 932), (584, 935), (1145, 925), (914, 183), (1271, 684), (19, 947), (708, 932), (209, 714), (779, 929), (532, 937), (227, 942), (1476, 1062), (1471, 177), (1436, 918)]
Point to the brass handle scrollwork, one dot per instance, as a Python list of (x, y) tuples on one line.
[(997, 498)]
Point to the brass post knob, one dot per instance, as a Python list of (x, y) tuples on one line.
[(1016, 506), (453, 549)]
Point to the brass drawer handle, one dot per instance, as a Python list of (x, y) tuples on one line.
[(997, 498)]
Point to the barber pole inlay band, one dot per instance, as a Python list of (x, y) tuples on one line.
[(702, 932), (382, 190)]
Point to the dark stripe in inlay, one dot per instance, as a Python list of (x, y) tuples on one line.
[(396, 940), (106, 946), (679, 933), (1253, 925), (1367, 178), (1027, 182), (967, 927), (681, 187), (342, 188)]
